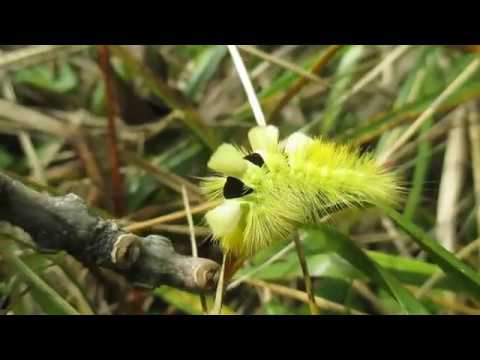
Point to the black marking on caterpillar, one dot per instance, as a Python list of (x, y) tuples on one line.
[(235, 188), (255, 159)]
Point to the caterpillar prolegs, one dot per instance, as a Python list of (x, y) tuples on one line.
[(268, 191)]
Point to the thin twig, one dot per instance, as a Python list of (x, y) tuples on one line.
[(430, 111), (32, 157), (217, 308), (262, 67), (451, 184), (303, 297), (173, 181), (182, 229), (306, 276), (397, 238), (90, 164), (35, 54), (143, 225), (38, 171), (186, 204), (436, 131), (376, 71), (369, 295), (285, 64), (117, 178), (293, 91), (193, 241), (267, 263), (454, 306), (31, 119)]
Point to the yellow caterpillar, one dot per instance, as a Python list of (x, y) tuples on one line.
[(269, 191)]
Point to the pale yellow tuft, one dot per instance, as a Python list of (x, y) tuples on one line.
[(228, 160)]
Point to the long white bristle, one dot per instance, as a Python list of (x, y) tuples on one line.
[(247, 85)]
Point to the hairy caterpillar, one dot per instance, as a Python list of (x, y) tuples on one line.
[(268, 191)]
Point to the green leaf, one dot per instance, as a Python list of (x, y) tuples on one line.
[(412, 271), (459, 65), (348, 63), (430, 83), (399, 263), (276, 307), (466, 276), (45, 78), (331, 266), (192, 51), (179, 156), (186, 302), (5, 158), (48, 299), (328, 239), (140, 188), (206, 65), (319, 265), (420, 173), (97, 100)]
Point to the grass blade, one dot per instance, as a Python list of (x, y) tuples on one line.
[(207, 64), (332, 241), (46, 297), (466, 276)]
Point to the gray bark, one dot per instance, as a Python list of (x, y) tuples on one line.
[(66, 224)]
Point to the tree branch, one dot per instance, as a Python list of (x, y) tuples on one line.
[(65, 223)]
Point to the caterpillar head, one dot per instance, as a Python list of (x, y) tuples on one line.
[(250, 216)]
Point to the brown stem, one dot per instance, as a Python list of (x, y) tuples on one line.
[(232, 265), (112, 106), (325, 57), (79, 141)]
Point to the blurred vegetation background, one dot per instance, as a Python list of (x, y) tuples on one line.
[(176, 103)]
